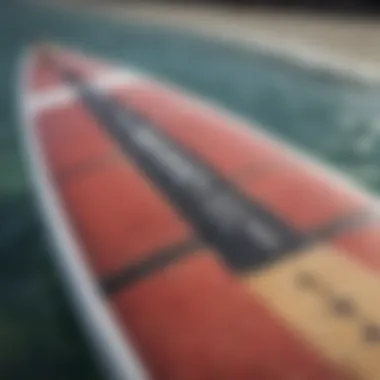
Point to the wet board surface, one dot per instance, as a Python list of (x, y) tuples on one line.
[(202, 230)]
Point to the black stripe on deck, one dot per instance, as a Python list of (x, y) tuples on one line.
[(155, 262), (245, 233)]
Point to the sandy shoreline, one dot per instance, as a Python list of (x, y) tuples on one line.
[(346, 45)]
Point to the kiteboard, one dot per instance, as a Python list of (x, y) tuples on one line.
[(193, 244)]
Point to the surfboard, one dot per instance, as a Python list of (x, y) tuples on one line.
[(194, 245)]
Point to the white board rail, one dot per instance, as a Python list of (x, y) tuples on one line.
[(113, 349)]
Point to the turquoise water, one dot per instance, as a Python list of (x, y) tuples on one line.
[(334, 119)]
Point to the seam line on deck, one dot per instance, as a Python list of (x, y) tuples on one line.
[(132, 273)]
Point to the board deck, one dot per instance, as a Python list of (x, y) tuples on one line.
[(218, 251)]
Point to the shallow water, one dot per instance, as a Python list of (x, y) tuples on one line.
[(334, 119)]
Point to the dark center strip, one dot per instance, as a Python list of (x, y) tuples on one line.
[(244, 232), (156, 261)]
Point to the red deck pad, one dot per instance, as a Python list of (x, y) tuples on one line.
[(120, 218), (72, 137), (227, 147), (119, 215), (196, 321), (303, 198)]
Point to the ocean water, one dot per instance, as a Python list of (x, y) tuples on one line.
[(337, 120)]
